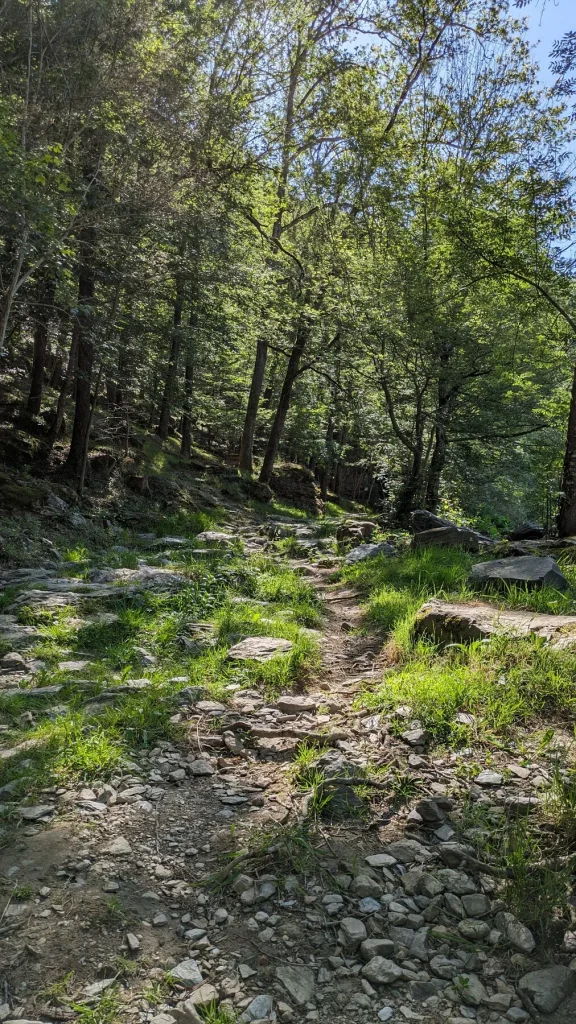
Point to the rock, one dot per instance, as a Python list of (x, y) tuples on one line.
[(187, 973), (386, 1013), (488, 778), (119, 847), (517, 1015), (200, 768), (448, 537), (462, 622), (363, 885), (381, 971), (298, 982), (470, 989), (260, 1007), (415, 737), (421, 520), (527, 531), (36, 813), (548, 988), (456, 881), (297, 483), (445, 968), (517, 934), (406, 851), (12, 662), (210, 707), (473, 930), (163, 1018), (93, 990), (291, 704), (133, 942), (376, 947), (476, 904), (352, 933), (380, 860), (215, 537), (365, 551), (204, 995), (527, 571), (259, 648)]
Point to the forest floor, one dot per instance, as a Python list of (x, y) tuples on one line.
[(181, 838)]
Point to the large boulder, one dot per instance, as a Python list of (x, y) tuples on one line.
[(421, 520), (529, 571), (259, 648), (448, 537), (527, 531), (364, 551), (357, 530), (453, 622)]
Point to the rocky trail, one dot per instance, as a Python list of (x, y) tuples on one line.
[(207, 880)]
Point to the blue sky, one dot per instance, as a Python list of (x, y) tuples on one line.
[(548, 22)]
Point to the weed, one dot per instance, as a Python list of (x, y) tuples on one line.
[(106, 1012), (58, 991), (22, 892), (214, 1014)]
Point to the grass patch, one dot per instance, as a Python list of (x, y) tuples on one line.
[(503, 683)]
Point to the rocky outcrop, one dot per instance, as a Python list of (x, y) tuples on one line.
[(448, 537), (531, 571), (527, 531), (297, 485), (453, 622)]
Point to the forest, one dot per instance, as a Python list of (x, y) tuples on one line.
[(336, 234), (287, 512)]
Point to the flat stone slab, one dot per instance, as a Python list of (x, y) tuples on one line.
[(451, 622), (214, 537), (364, 551), (448, 537), (527, 570), (294, 704), (259, 648)]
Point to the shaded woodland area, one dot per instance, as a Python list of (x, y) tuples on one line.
[(336, 234)]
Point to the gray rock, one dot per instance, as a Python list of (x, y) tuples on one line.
[(293, 704), (298, 982), (527, 531), (119, 847), (260, 1008), (421, 519), (448, 537), (363, 885), (470, 989), (36, 813), (368, 905), (352, 933), (380, 860), (407, 851), (381, 971), (445, 968), (376, 947), (364, 551), (187, 973), (548, 988), (488, 778), (456, 881), (476, 904), (527, 570), (259, 648), (473, 930), (517, 1015), (421, 990), (517, 934)]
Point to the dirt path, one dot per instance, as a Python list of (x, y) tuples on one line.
[(113, 896)]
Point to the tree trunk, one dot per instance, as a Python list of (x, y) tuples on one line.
[(284, 403), (412, 485), (186, 445), (85, 333), (42, 312), (567, 513), (56, 424), (175, 342), (247, 442), (446, 400)]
